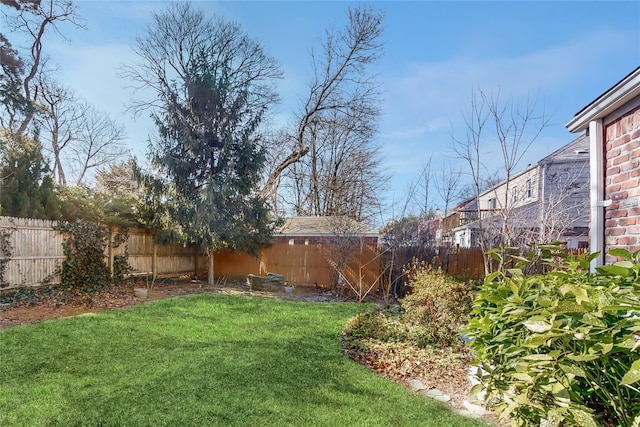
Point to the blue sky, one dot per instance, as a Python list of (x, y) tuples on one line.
[(565, 54)]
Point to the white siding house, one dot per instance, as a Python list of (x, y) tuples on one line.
[(547, 201)]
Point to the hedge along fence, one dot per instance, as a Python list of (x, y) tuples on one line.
[(31, 252)]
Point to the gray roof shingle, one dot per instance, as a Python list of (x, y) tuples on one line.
[(323, 225)]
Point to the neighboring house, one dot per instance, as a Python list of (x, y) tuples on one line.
[(548, 201), (457, 225), (612, 123), (306, 230)]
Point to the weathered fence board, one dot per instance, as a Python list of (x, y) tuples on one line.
[(31, 251)]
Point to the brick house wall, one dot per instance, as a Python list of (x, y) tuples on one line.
[(612, 123), (622, 182)]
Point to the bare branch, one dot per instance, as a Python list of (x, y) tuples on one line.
[(340, 84), (99, 142), (34, 21)]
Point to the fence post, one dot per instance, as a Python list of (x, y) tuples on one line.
[(154, 263)]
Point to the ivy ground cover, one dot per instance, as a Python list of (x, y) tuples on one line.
[(201, 360)]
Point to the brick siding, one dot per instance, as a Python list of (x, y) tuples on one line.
[(622, 182)]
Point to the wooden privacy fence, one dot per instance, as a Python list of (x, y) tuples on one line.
[(469, 262), (31, 253), (465, 262), (302, 265)]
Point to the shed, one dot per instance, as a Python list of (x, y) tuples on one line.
[(311, 230)]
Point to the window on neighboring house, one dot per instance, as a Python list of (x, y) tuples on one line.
[(493, 203), (514, 195), (529, 189)]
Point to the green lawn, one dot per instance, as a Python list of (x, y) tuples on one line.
[(200, 360)]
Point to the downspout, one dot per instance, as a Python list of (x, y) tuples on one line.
[(542, 193), (596, 165)]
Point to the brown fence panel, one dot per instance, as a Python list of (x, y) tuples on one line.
[(469, 262), (302, 265), (235, 265), (465, 262)]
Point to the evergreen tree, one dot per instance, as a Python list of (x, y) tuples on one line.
[(26, 187), (208, 149), (214, 86)]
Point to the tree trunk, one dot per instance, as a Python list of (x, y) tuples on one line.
[(110, 252), (210, 277)]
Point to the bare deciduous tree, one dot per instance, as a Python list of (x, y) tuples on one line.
[(59, 121), (341, 175), (514, 129), (353, 259), (99, 142), (421, 190), (448, 186), (342, 95), (79, 137), (33, 20), (172, 45)]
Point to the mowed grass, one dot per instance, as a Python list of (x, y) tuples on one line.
[(201, 360)]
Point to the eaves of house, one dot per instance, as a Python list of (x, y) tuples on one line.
[(624, 94)]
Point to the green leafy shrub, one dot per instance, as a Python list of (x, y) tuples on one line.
[(561, 348), (84, 267), (436, 306), (121, 266), (6, 251)]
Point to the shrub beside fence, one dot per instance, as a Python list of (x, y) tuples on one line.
[(31, 252)]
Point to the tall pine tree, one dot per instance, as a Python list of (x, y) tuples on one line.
[(214, 85), (207, 148)]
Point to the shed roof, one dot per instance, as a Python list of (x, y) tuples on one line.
[(323, 225)]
